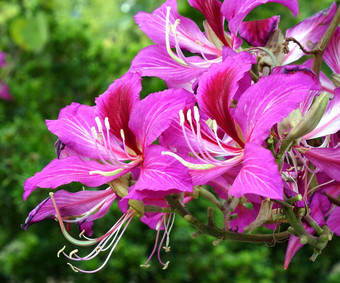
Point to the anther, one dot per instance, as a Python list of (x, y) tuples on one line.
[(181, 117), (73, 268), (145, 265), (214, 126), (94, 133), (73, 252), (166, 265), (189, 115), (106, 122), (122, 134), (99, 124), (196, 114), (166, 249), (81, 233), (60, 251)]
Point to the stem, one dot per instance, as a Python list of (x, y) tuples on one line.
[(322, 44), (221, 234), (209, 196)]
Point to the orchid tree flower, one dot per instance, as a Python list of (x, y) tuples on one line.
[(115, 137), (332, 56), (169, 30), (236, 135), (4, 90)]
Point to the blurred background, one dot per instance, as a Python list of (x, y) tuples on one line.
[(63, 51)]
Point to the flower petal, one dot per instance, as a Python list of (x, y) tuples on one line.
[(71, 169), (160, 175), (70, 204), (308, 33), (259, 174), (117, 103), (188, 33), (217, 88), (326, 159), (154, 114), (257, 33), (155, 61), (332, 52), (211, 9), (333, 221), (270, 100), (236, 11)]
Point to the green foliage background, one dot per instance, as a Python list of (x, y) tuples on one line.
[(61, 51)]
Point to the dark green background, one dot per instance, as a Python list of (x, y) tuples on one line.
[(66, 50)]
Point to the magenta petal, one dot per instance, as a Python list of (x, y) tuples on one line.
[(70, 204), (259, 174), (211, 9), (236, 11), (257, 33), (117, 103), (155, 61), (3, 59), (308, 33), (73, 127), (270, 100), (4, 92), (154, 114), (326, 159), (161, 175), (333, 221), (218, 86), (188, 33), (71, 169), (332, 52), (294, 245)]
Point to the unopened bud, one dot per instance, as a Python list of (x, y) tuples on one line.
[(308, 122), (335, 78), (303, 240)]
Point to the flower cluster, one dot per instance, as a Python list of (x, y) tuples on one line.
[(237, 125)]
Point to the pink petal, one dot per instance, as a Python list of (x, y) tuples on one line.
[(308, 33), (71, 169), (259, 174), (270, 100), (236, 11), (69, 204), (154, 114), (117, 103), (257, 33), (217, 88), (188, 33), (160, 175), (155, 61), (333, 221), (332, 52), (211, 9), (326, 159)]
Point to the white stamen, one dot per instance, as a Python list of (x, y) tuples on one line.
[(99, 124), (189, 116), (181, 117), (196, 114), (122, 134), (60, 251), (94, 133), (189, 164), (107, 124)]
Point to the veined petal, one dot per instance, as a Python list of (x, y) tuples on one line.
[(270, 100), (330, 121), (117, 102), (333, 221), (332, 52), (236, 11), (326, 159), (217, 88), (211, 9), (70, 205), (154, 114), (308, 33), (161, 175), (155, 61), (188, 33), (73, 127), (257, 33), (71, 169), (259, 174)]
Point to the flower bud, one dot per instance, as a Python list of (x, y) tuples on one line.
[(335, 78)]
